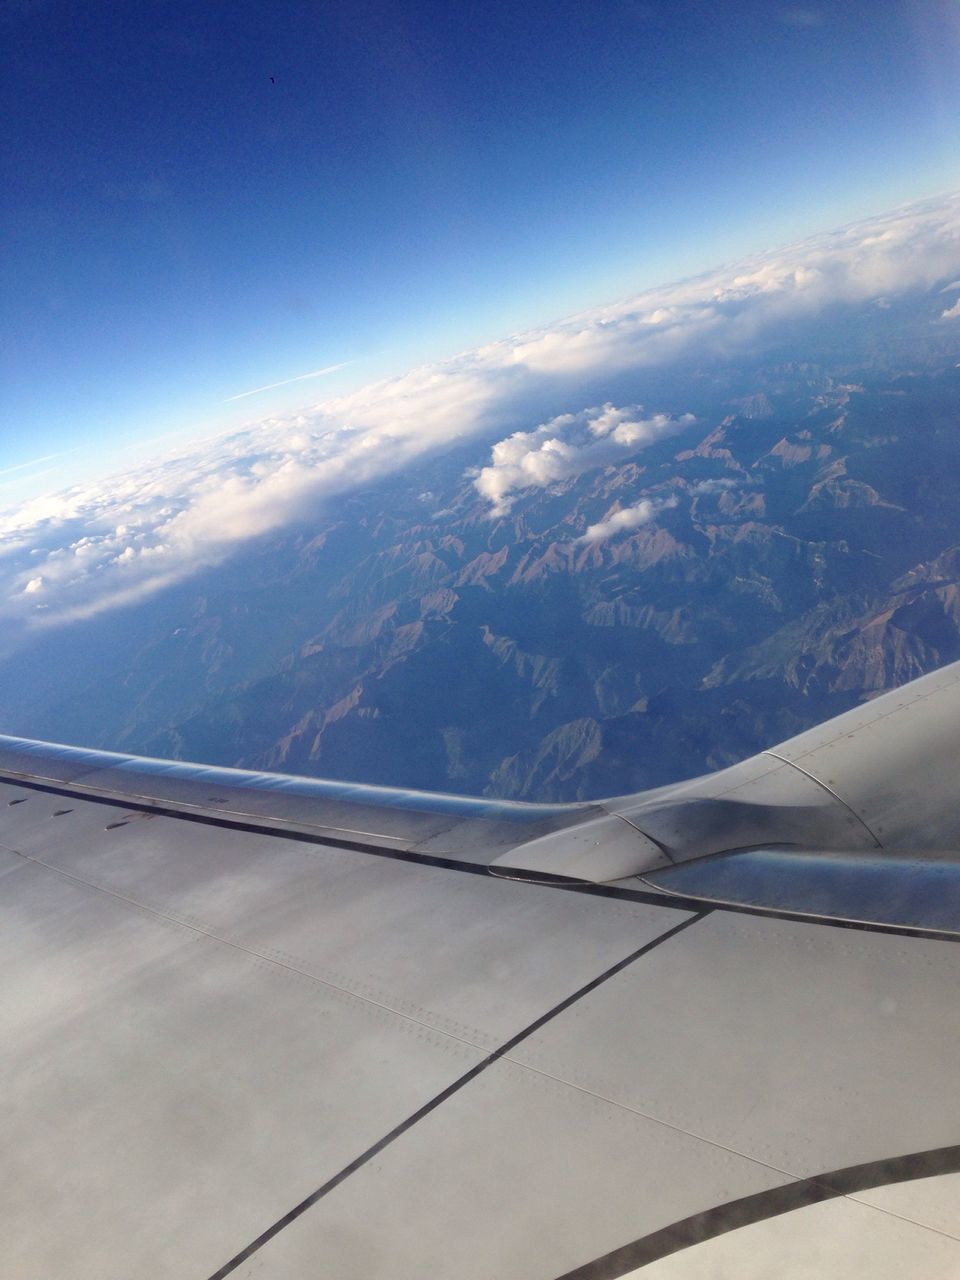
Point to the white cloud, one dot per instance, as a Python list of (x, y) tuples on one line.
[(952, 313), (567, 446), (627, 518), (99, 545)]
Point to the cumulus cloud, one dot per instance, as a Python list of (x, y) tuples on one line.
[(71, 554), (627, 518), (566, 446)]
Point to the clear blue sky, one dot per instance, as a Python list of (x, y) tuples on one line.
[(203, 198)]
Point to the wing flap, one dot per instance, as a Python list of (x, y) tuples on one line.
[(918, 891)]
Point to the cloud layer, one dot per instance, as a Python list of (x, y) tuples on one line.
[(566, 446), (95, 547)]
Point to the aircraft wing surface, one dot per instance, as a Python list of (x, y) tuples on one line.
[(278, 1028)]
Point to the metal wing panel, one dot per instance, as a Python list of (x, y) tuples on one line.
[(163, 1090), (520, 1175), (276, 1027), (462, 827), (881, 775), (893, 761), (831, 1240), (806, 1047), (200, 1024), (737, 1058), (463, 953)]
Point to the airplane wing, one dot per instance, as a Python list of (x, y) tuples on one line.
[(278, 1028)]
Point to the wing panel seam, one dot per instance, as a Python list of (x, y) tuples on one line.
[(829, 790), (762, 1205), (388, 1139), (660, 899), (172, 918)]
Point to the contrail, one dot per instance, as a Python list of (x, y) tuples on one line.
[(317, 373), (22, 466)]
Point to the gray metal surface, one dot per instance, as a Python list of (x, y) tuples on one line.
[(893, 761), (882, 775), (600, 850), (519, 1175), (829, 1241), (882, 886), (200, 1025), (234, 1042), (379, 817), (804, 1047), (463, 953), (738, 1057)]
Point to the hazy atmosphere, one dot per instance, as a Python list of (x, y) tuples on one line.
[(287, 421)]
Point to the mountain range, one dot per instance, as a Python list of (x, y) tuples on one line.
[(790, 548)]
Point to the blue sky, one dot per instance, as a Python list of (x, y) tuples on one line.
[(202, 199)]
